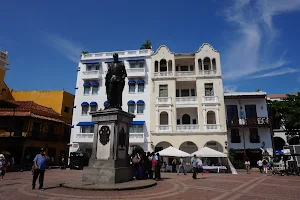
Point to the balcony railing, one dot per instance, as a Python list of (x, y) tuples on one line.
[(136, 137), (212, 127), (183, 101), (164, 128), (120, 53), (84, 137), (254, 121), (207, 72), (136, 72), (163, 100), (93, 74), (187, 127), (210, 99), (163, 74), (185, 73)]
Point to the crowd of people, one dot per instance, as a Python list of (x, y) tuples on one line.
[(263, 165)]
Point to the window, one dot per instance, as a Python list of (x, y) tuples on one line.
[(178, 121), (131, 108), (86, 90), (66, 109), (140, 108), (185, 92), (131, 129), (141, 87), (85, 110), (163, 90), (193, 93), (94, 108), (136, 129), (141, 64), (140, 129), (254, 137), (209, 89), (232, 112), (95, 89), (91, 67), (186, 119), (177, 93), (235, 136), (251, 111), (184, 68), (87, 129), (131, 88)]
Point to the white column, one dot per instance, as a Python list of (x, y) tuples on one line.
[(211, 68), (158, 66)]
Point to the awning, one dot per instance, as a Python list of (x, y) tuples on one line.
[(93, 103), (74, 106), (84, 103), (131, 82), (86, 84), (91, 62), (130, 102), (140, 102), (140, 81), (72, 126), (85, 124), (134, 123), (105, 103), (137, 59), (112, 60), (95, 83)]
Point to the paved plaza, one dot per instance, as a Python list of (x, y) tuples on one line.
[(17, 186)]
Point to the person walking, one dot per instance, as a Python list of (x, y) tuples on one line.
[(194, 165), (158, 167), (174, 164), (265, 165), (247, 165), (3, 166), (39, 163), (199, 166), (260, 165), (181, 166)]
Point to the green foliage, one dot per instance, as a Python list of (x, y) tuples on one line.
[(147, 45), (287, 113), (84, 52)]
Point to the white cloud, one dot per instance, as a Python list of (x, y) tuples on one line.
[(66, 47), (230, 88), (275, 73), (255, 32)]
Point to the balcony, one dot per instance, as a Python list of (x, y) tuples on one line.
[(136, 137), (212, 127), (84, 137), (127, 54), (136, 72), (187, 128), (186, 101), (185, 73), (163, 74), (163, 100), (210, 99), (250, 122), (164, 128), (207, 72), (91, 75)]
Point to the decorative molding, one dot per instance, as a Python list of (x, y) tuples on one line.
[(160, 47), (206, 44)]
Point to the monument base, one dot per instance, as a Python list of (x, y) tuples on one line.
[(107, 172), (132, 185)]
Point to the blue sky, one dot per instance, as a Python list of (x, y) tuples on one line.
[(258, 40)]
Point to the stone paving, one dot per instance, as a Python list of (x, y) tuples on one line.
[(17, 186)]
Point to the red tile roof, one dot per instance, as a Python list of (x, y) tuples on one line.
[(27, 114), (30, 105), (277, 96)]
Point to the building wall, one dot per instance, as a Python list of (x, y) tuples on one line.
[(57, 100), (100, 98)]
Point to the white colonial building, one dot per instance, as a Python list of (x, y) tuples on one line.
[(248, 125), (90, 96), (187, 101)]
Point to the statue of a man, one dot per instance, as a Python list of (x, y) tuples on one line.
[(115, 82)]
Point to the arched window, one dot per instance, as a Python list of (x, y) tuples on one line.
[(206, 63), (200, 64), (94, 106), (211, 117), (131, 106), (163, 65), (140, 106), (186, 119), (84, 108), (156, 66), (163, 118)]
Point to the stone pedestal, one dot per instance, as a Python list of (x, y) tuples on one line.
[(109, 163)]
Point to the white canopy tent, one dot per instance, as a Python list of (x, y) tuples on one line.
[(173, 152), (209, 153)]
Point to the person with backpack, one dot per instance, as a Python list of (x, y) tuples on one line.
[(265, 165)]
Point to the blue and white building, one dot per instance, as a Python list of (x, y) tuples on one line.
[(90, 96)]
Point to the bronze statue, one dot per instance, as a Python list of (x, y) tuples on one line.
[(115, 82)]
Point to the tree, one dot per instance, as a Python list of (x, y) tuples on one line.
[(287, 114), (84, 52), (147, 45)]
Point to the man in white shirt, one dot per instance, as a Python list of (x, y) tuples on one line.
[(181, 165), (260, 166)]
